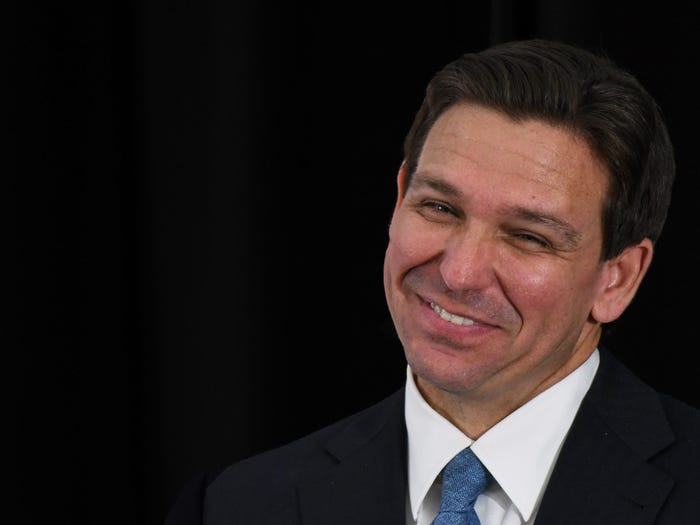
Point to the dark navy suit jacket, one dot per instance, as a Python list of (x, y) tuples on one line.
[(632, 457)]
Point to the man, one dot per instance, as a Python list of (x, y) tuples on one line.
[(535, 183)]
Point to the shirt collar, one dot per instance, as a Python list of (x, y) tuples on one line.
[(519, 451)]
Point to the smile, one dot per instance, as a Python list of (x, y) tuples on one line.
[(452, 318)]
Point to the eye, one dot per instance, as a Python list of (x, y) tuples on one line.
[(437, 208), (531, 238)]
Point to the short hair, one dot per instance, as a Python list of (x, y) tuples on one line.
[(583, 92)]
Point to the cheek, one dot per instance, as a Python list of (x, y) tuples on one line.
[(549, 291), (409, 247), (406, 248)]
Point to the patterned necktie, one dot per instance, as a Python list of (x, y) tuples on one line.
[(463, 479)]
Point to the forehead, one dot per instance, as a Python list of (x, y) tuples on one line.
[(473, 144)]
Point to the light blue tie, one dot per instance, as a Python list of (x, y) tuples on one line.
[(463, 479)]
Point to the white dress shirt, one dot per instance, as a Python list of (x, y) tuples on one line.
[(519, 451)]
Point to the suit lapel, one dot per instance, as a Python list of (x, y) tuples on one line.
[(368, 484), (602, 475)]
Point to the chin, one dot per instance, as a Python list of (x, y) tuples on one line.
[(442, 369)]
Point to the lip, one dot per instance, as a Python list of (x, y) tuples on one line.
[(446, 311), (444, 334)]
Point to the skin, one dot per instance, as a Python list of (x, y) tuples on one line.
[(502, 226)]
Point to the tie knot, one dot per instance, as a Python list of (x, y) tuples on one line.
[(463, 479)]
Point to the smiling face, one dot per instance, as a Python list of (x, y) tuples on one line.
[(493, 272)]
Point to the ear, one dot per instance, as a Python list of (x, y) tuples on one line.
[(620, 281), (401, 181)]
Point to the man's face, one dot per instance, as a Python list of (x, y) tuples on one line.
[(493, 263)]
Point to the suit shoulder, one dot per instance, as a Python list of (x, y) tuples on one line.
[(319, 447), (269, 479), (684, 420)]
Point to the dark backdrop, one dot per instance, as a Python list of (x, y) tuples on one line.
[(197, 205)]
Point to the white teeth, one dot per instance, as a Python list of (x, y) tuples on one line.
[(452, 318)]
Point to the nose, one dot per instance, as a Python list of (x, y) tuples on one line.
[(468, 261)]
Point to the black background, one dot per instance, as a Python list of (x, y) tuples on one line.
[(197, 208)]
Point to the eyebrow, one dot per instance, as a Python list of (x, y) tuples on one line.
[(422, 179), (568, 232)]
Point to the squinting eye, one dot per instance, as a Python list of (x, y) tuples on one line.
[(438, 207), (435, 211), (532, 239)]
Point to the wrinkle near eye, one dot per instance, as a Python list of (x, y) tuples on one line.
[(570, 236)]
